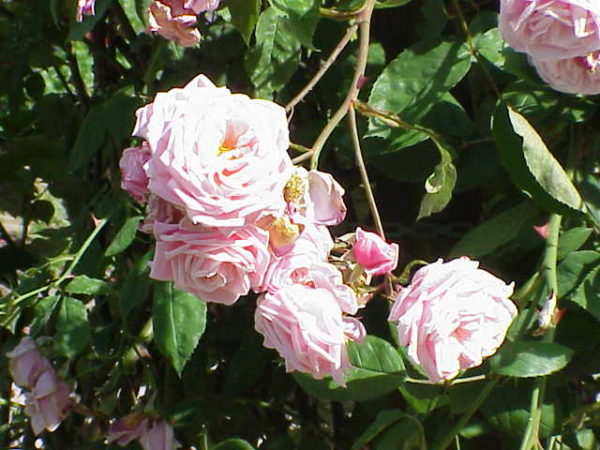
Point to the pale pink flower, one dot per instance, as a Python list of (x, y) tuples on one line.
[(306, 327), (204, 262), (200, 6), (26, 363), (48, 403), (551, 29), (452, 316), (580, 75), (159, 436), (326, 195), (175, 24), (221, 157), (133, 175), (374, 254), (314, 197), (85, 7), (127, 429)]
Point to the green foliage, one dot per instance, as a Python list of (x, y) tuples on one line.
[(531, 165), (530, 359), (377, 369), (73, 330), (178, 319), (465, 147)]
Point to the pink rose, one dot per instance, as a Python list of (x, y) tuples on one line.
[(374, 254), (452, 316), (551, 29), (133, 175), (127, 429), (306, 327), (221, 157), (580, 75), (204, 262), (26, 363), (48, 403), (159, 436), (85, 7), (173, 22), (200, 6)]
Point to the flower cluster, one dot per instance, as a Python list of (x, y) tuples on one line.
[(561, 38), (47, 399), (231, 214), (176, 19), (152, 434), (452, 316)]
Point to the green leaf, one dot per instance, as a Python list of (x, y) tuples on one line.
[(530, 359), (42, 312), (508, 409), (492, 234), (572, 240), (383, 4), (416, 80), (377, 369), (244, 15), (530, 164), (73, 329), (124, 236), (178, 320), (440, 184), (82, 284), (385, 427), (587, 294), (302, 18), (110, 121), (233, 444), (134, 289), (574, 269), (276, 55)]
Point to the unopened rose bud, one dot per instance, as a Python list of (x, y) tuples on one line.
[(374, 254)]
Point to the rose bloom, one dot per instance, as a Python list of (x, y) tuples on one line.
[(221, 157), (159, 436), (173, 22), (580, 75), (48, 403), (551, 29), (127, 429), (306, 327), (85, 7), (133, 175), (204, 262), (373, 253), (452, 316), (26, 363)]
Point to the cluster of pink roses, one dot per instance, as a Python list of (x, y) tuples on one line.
[(172, 19), (47, 399), (231, 214), (561, 38)]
